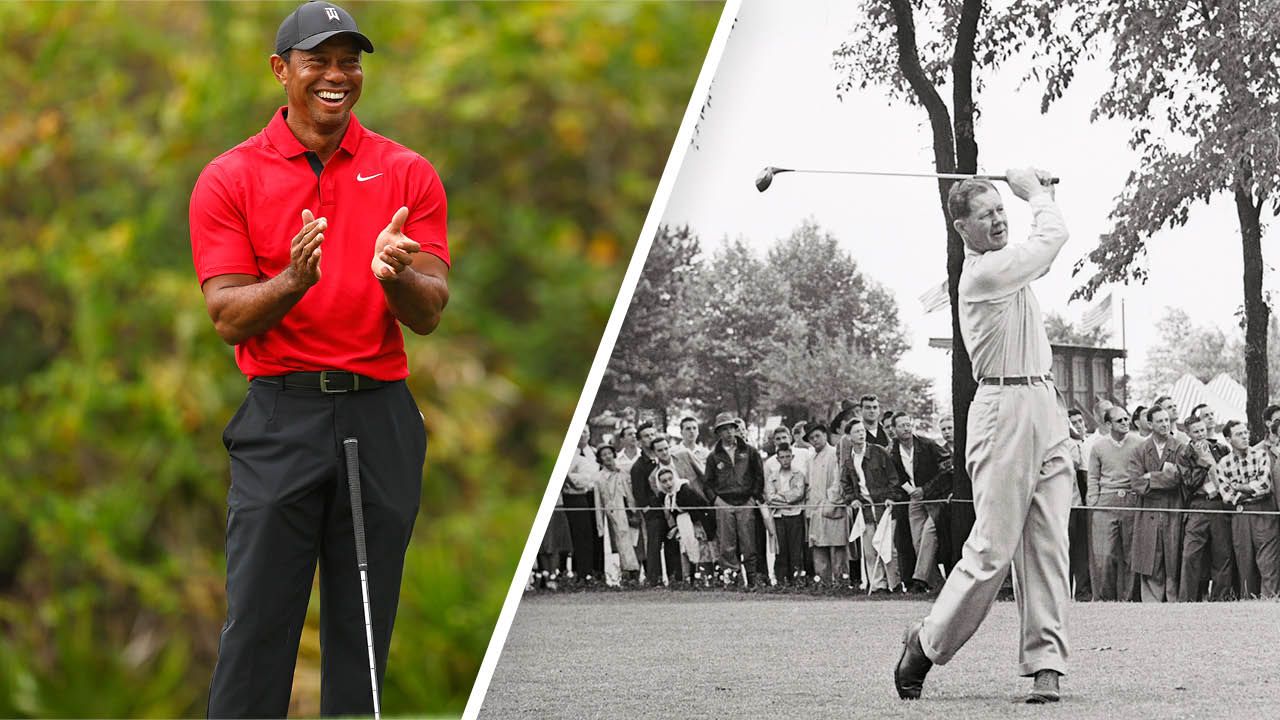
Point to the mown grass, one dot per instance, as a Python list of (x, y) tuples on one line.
[(657, 653)]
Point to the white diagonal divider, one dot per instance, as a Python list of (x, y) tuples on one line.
[(684, 139)]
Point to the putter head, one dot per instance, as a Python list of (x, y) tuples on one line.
[(765, 178)]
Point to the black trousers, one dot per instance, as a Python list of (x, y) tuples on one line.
[(657, 546), (1078, 552), (789, 562), (588, 545), (289, 507)]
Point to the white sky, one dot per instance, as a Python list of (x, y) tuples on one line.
[(774, 103)]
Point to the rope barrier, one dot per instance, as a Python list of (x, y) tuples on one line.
[(945, 501)]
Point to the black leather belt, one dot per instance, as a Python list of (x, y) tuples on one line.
[(1016, 380), (325, 381)]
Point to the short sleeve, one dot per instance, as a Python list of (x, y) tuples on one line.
[(428, 212), (219, 233)]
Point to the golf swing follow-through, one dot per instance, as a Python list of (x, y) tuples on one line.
[(1017, 451)]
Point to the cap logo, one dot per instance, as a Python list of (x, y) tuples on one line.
[(332, 14)]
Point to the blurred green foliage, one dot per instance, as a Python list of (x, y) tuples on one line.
[(549, 124)]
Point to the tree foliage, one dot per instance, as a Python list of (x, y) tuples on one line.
[(644, 371), (890, 51), (548, 124), (1061, 330), (1198, 81), (794, 332), (1184, 347)]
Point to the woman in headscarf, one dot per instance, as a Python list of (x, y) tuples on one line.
[(690, 521)]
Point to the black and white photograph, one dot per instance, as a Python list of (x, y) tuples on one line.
[(948, 384)]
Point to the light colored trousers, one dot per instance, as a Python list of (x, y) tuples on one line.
[(831, 563), (882, 572), (1111, 536), (1022, 482), (924, 538)]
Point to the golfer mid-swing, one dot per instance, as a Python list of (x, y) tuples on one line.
[(313, 241), (1017, 453)]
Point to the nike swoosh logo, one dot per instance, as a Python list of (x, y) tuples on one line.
[(361, 178)]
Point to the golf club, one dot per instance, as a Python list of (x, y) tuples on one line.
[(765, 178), (351, 447)]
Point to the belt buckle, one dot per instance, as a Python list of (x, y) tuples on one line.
[(324, 383), (1121, 493)]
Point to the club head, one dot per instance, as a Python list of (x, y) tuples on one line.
[(765, 178)]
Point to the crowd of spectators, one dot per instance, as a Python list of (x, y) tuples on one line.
[(1162, 510)]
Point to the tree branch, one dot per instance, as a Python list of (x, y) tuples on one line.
[(962, 86), (909, 64)]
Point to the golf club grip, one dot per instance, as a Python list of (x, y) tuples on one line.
[(351, 447), (1002, 178)]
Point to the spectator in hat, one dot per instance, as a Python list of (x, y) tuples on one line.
[(621, 516), (735, 481), (824, 471)]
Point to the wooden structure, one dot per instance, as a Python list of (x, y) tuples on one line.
[(1084, 375)]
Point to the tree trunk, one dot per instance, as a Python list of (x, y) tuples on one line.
[(963, 385), (949, 145), (1256, 313)]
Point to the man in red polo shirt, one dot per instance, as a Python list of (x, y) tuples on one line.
[(312, 241)]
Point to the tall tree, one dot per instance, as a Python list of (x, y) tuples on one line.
[(735, 306), (647, 368), (885, 52), (835, 298), (1199, 81), (798, 374)]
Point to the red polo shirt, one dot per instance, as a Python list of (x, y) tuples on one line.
[(247, 207)]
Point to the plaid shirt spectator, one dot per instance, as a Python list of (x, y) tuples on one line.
[(1254, 470)]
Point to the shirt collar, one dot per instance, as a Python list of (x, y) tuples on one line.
[(284, 141)]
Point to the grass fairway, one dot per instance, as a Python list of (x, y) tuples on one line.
[(658, 653)]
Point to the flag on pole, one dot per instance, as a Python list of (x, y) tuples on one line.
[(935, 298), (1097, 316)]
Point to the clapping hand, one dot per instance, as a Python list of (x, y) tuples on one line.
[(393, 251), (304, 250)]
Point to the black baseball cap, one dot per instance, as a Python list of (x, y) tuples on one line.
[(313, 23)]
